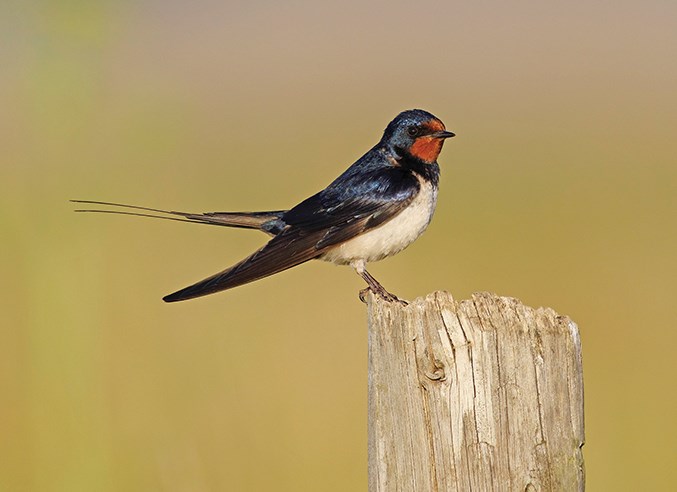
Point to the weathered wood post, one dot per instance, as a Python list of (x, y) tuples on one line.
[(478, 395)]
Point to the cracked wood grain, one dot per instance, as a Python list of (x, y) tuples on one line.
[(481, 395)]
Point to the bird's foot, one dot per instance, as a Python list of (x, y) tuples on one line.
[(383, 294), (374, 286)]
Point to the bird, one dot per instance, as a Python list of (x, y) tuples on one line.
[(373, 210)]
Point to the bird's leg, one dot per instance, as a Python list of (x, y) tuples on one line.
[(373, 284)]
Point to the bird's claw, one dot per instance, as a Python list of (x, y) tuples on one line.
[(383, 294)]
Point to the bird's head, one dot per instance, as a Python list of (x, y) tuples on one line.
[(416, 133)]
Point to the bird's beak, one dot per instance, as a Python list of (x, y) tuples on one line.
[(442, 134)]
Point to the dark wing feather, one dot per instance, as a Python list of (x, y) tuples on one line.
[(315, 225), (289, 248)]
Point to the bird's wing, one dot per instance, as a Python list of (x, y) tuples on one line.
[(315, 225)]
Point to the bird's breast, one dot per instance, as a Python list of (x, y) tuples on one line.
[(391, 237)]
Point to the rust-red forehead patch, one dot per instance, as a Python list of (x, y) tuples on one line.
[(434, 125), (426, 147)]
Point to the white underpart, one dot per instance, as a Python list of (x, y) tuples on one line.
[(391, 237)]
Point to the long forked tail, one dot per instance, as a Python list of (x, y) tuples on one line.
[(268, 222)]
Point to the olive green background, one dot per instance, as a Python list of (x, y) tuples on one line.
[(559, 189)]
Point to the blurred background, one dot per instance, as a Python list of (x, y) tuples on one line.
[(558, 190)]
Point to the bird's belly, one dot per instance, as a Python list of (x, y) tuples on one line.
[(391, 237)]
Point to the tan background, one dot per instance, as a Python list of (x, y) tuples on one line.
[(559, 190)]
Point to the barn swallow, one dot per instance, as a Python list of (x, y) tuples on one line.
[(375, 209)]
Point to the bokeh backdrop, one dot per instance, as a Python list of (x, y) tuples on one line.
[(559, 189)]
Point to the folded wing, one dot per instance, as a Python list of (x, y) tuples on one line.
[(315, 225)]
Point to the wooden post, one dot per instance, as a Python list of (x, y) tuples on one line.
[(478, 395)]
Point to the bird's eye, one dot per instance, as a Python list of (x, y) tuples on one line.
[(414, 131)]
